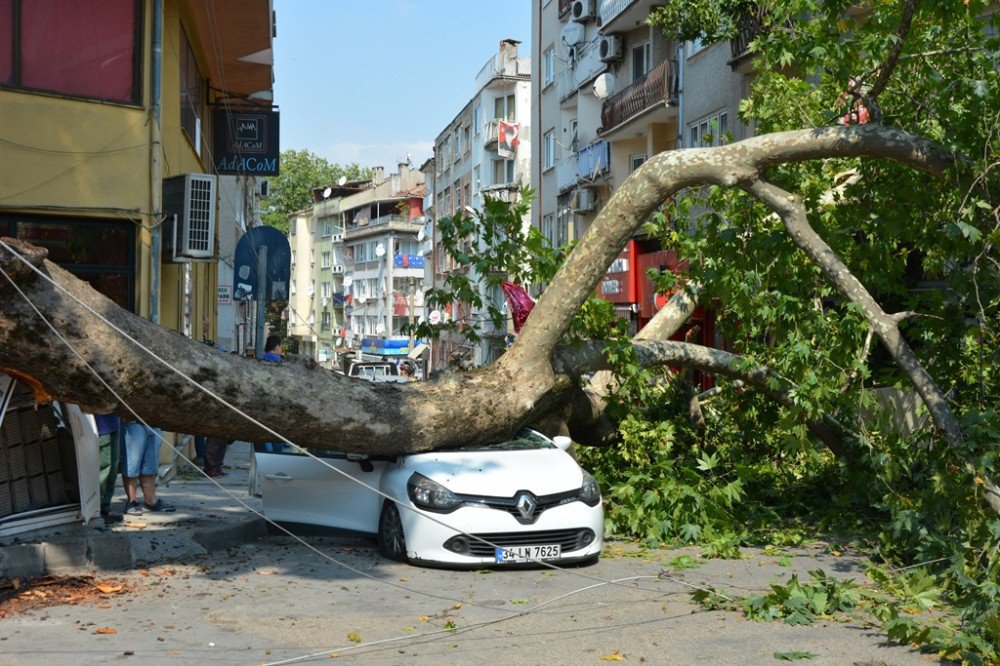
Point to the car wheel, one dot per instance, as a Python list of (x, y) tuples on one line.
[(391, 540)]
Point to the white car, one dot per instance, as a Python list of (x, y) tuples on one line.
[(518, 501)]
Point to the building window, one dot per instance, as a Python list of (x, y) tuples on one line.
[(325, 322), (312, 257), (503, 172), (549, 228), (503, 107), (98, 252), (327, 228), (325, 260), (326, 290), (86, 48), (549, 66), (710, 131), (192, 88), (477, 119), (636, 161), (550, 150), (640, 61), (475, 178)]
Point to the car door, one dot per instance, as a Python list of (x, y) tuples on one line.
[(296, 488)]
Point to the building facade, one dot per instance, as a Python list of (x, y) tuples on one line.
[(474, 158), (107, 114), (613, 92)]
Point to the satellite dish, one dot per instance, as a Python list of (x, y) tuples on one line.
[(348, 280), (572, 33), (380, 250), (338, 342), (327, 192), (420, 234), (362, 298), (604, 85), (342, 180), (420, 253), (380, 328)]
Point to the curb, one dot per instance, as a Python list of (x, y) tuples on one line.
[(117, 551)]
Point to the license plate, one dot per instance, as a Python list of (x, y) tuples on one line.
[(527, 553)]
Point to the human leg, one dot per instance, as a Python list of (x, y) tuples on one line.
[(215, 453)]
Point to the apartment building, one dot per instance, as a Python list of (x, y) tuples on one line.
[(612, 92), (485, 151), (358, 266), (116, 117)]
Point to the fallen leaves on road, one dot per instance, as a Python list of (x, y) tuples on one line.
[(614, 656), (20, 596), (105, 630)]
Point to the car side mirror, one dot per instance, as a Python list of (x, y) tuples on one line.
[(563, 442)]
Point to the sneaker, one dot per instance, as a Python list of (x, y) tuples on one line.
[(133, 509), (160, 506)]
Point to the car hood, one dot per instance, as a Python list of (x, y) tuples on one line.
[(499, 473)]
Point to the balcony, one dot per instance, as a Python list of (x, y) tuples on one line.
[(491, 134), (582, 70), (566, 171), (624, 15), (657, 88), (503, 65), (593, 160), (748, 26)]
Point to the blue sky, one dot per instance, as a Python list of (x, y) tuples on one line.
[(369, 81)]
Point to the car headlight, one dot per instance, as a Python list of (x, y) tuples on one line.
[(590, 492), (431, 495)]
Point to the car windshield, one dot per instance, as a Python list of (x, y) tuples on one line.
[(526, 440)]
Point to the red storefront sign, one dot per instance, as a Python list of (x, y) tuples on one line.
[(618, 285)]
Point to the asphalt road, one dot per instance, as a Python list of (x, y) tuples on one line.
[(275, 600)]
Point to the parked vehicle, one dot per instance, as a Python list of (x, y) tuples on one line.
[(521, 500)]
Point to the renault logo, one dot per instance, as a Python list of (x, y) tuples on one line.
[(526, 505)]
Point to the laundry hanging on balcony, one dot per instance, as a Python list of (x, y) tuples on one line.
[(507, 137)]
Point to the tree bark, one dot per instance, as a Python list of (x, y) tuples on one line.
[(318, 408)]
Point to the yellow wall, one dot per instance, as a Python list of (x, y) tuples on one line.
[(62, 156)]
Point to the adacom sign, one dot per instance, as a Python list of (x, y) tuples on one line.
[(246, 142)]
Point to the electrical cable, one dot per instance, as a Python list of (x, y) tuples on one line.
[(254, 421)]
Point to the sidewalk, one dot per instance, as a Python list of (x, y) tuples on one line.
[(207, 519)]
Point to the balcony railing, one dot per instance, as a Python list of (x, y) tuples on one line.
[(587, 65), (491, 134), (610, 9), (593, 159), (658, 86), (566, 173), (748, 26)]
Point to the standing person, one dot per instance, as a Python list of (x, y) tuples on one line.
[(272, 352), (272, 349), (142, 456), (109, 447), (215, 453)]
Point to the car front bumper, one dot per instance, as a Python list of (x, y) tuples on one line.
[(576, 527)]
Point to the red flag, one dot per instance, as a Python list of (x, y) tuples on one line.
[(507, 138), (520, 303)]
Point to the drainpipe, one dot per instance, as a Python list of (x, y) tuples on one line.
[(680, 95), (155, 170)]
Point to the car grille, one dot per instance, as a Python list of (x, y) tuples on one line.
[(510, 504), (570, 540)]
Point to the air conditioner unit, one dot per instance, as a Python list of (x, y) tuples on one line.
[(337, 268), (610, 48), (189, 204), (583, 200), (583, 10), (337, 238)]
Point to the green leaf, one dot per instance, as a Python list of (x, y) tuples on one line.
[(794, 656)]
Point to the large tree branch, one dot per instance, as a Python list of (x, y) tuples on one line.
[(589, 357)]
